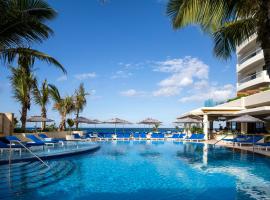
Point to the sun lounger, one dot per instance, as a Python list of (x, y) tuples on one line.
[(248, 140), (108, 136), (16, 141), (136, 136), (5, 146), (44, 137), (39, 142), (195, 137), (265, 146), (120, 136)]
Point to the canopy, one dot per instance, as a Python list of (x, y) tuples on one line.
[(86, 120), (39, 119), (267, 118), (150, 121), (187, 120), (246, 119), (116, 121)]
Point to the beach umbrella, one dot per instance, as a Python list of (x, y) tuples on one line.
[(85, 120), (37, 119), (267, 118), (188, 120), (150, 121), (246, 119), (116, 121), (82, 120)]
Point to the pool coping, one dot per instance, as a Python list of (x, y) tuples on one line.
[(72, 152)]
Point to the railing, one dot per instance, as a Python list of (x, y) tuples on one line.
[(251, 77), (219, 140), (250, 55), (31, 152)]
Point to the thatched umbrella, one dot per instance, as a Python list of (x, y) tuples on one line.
[(37, 119), (246, 119), (116, 121), (188, 120), (85, 120), (150, 121), (82, 120), (267, 118)]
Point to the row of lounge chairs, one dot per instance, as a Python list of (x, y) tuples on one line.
[(42, 140), (256, 140), (145, 136)]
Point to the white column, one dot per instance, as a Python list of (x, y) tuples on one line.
[(244, 128), (205, 126)]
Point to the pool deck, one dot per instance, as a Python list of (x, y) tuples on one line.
[(52, 155), (247, 148)]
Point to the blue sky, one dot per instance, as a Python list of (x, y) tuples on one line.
[(131, 61)]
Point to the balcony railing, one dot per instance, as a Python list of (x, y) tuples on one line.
[(250, 55), (251, 77)]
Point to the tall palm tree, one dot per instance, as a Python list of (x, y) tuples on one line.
[(23, 21), (229, 22), (22, 85), (26, 63), (41, 97), (63, 105), (79, 101)]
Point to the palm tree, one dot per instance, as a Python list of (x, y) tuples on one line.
[(63, 105), (79, 101), (22, 85), (229, 22), (41, 97), (24, 21), (26, 62)]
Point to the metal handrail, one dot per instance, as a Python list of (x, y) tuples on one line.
[(220, 140), (29, 152)]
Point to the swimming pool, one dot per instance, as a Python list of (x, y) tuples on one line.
[(150, 170)]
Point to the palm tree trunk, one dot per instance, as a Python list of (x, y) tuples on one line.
[(76, 122), (62, 126), (43, 114), (23, 116), (264, 32)]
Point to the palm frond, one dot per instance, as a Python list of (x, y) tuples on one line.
[(54, 93), (206, 13), (24, 21), (232, 34), (9, 55)]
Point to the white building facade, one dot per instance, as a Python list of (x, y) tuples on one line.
[(253, 84)]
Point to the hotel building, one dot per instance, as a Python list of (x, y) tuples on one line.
[(252, 90)]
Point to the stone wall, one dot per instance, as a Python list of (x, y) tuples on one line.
[(6, 124), (54, 134)]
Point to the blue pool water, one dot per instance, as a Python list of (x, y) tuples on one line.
[(148, 170)]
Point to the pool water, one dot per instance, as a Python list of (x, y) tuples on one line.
[(152, 170)]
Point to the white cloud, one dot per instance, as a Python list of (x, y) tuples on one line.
[(184, 72), (84, 76), (62, 78), (132, 93), (167, 91), (121, 74), (217, 93)]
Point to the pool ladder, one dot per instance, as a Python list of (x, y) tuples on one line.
[(29, 150)]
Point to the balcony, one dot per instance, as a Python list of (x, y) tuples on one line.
[(255, 80), (251, 60), (250, 42)]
